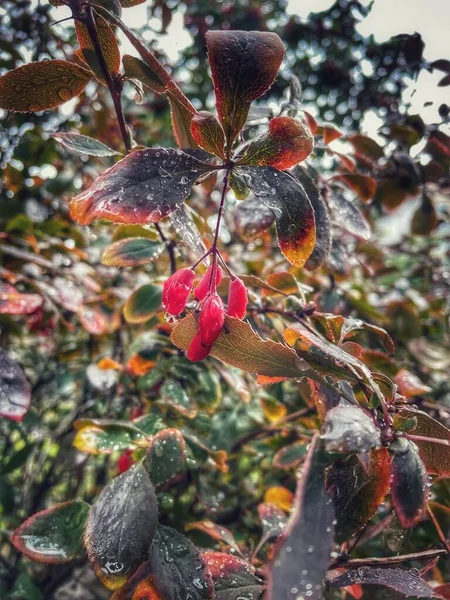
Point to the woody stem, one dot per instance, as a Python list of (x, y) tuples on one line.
[(214, 250)]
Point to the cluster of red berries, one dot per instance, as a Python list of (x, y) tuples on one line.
[(176, 292)]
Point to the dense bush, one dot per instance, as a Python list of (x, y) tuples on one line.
[(239, 387)]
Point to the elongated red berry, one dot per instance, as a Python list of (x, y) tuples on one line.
[(176, 290), (197, 351), (237, 298), (211, 320), (203, 286)]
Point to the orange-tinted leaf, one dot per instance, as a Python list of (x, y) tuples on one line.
[(232, 576), (286, 143), (138, 587), (311, 122), (279, 496), (42, 85), (292, 209), (208, 133), (98, 319), (164, 181), (217, 532), (242, 347), (409, 385), (358, 491), (109, 363), (15, 391), (328, 132), (273, 409), (244, 66), (13, 302), (332, 325), (363, 185), (138, 365), (283, 281), (108, 43)]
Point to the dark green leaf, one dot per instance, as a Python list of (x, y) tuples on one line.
[(232, 577), (143, 303), (166, 455), (173, 393)]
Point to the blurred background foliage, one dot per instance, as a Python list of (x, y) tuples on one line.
[(398, 280)]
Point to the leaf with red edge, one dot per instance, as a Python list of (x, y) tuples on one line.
[(244, 65), (403, 581), (217, 532), (132, 252), (143, 303), (42, 85), (54, 536), (357, 492), (321, 217), (436, 457), (177, 567), (273, 521), (240, 346), (208, 133), (108, 43), (13, 302), (409, 385), (329, 133), (232, 577), (285, 144), (135, 68), (363, 185), (115, 539), (302, 555), (138, 587), (98, 319), (290, 456), (292, 209), (143, 187), (166, 455), (408, 482), (15, 391)]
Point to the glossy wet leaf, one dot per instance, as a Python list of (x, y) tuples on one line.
[(349, 429), (178, 569), (208, 133), (15, 391), (273, 521), (290, 456), (410, 386), (408, 482), (108, 43), (345, 214), (242, 347), (174, 394), (286, 143), (252, 218), (55, 535), (83, 144), (232, 577), (143, 187), (100, 437), (405, 582), (217, 532), (13, 302), (243, 66), (98, 319), (166, 455), (436, 457), (115, 539), (184, 224), (143, 303), (238, 185), (135, 68), (132, 252), (301, 558), (42, 85), (358, 491), (294, 215), (138, 587), (321, 217)]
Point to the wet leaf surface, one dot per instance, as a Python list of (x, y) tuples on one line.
[(55, 535), (290, 456), (345, 214), (166, 455), (143, 187), (132, 252), (217, 532), (15, 391), (13, 302), (349, 429), (143, 303), (302, 555), (252, 218), (115, 539), (401, 580), (83, 144), (294, 215), (232, 577), (177, 567), (173, 394)]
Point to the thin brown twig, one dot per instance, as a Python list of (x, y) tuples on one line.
[(387, 560)]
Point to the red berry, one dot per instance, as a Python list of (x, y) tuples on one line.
[(237, 299), (176, 290), (211, 320), (197, 351), (125, 461), (203, 286)]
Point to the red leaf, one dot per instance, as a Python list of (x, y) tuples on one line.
[(363, 185), (13, 302)]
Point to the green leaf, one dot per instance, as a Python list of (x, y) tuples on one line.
[(42, 85), (24, 588), (177, 567), (15, 391), (83, 144), (173, 394), (290, 456), (97, 436), (240, 346), (243, 66), (55, 535), (301, 558), (166, 455), (208, 133), (292, 210), (135, 68), (143, 303), (120, 526), (132, 252), (232, 577), (143, 187)]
